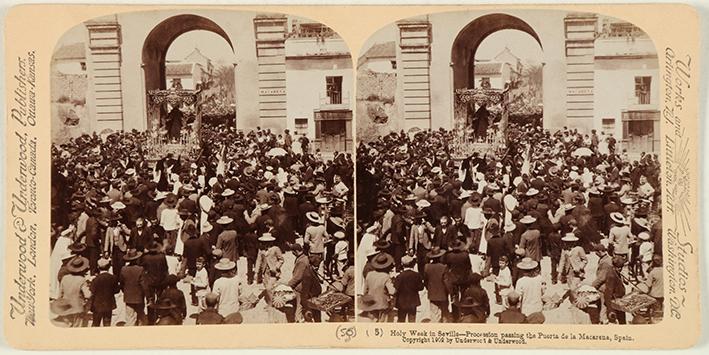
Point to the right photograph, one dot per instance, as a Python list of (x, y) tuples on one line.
[(507, 170)]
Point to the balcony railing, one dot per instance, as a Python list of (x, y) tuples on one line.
[(335, 100)]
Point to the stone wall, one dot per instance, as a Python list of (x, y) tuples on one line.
[(376, 111), (68, 108)]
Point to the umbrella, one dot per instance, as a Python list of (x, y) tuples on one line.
[(582, 152), (276, 152), (414, 130)]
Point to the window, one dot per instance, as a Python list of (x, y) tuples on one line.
[(608, 125), (333, 88), (301, 124), (642, 89), (393, 64), (83, 66)]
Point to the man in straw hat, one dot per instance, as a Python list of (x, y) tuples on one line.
[(74, 289), (573, 261), (227, 287), (529, 286), (227, 239), (379, 288), (619, 235), (315, 235)]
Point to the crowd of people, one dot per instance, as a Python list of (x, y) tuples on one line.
[(555, 227), (250, 229)]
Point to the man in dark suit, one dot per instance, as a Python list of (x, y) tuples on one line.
[(398, 237), (193, 249), (133, 287), (444, 235), (408, 284), (140, 235), (93, 240), (103, 290), (155, 265), (433, 280)]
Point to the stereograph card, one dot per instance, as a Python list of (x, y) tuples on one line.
[(471, 176)]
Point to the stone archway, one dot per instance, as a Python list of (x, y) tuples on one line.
[(466, 44), (158, 42)]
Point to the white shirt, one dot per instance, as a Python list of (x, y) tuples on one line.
[(341, 189), (169, 219), (201, 278), (530, 288), (341, 249), (474, 218), (646, 251), (228, 291), (504, 277)]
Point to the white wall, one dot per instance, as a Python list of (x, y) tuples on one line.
[(615, 89), (304, 89), (379, 65), (68, 66)]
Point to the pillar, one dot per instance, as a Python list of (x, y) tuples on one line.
[(580, 35), (104, 71), (415, 60), (271, 32)]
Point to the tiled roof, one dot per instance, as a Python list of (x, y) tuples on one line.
[(71, 51), (178, 69), (488, 68)]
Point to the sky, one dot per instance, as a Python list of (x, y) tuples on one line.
[(212, 45), (520, 43)]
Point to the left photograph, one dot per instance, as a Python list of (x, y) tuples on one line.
[(201, 171)]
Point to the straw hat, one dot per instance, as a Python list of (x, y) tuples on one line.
[(314, 217), (224, 220), (436, 252), (465, 194), (532, 192), (323, 200), (570, 237), (617, 217), (78, 264), (382, 244), (642, 223), (528, 219), (118, 205), (266, 237), (527, 264), (423, 203), (339, 235), (382, 261), (132, 254), (509, 227), (338, 221), (207, 227), (225, 264), (644, 236), (228, 192)]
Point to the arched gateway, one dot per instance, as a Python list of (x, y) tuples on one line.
[(155, 49)]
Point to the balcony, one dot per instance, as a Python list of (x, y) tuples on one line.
[(335, 101)]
